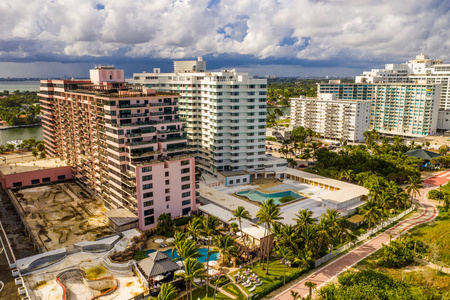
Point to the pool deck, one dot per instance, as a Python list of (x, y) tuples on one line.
[(226, 198)]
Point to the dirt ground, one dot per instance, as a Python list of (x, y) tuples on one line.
[(61, 215)]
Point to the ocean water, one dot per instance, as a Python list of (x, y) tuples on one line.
[(32, 85)]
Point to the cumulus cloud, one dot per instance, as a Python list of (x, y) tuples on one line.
[(312, 30)]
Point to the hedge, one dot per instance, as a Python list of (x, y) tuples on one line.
[(182, 221), (268, 288), (222, 280)]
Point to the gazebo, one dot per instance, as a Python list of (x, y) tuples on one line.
[(157, 263), (423, 154)]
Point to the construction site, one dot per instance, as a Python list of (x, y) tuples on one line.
[(60, 215)]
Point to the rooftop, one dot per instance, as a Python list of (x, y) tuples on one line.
[(121, 216), (22, 167)]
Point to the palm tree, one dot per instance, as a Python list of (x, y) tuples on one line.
[(324, 230), (309, 237), (225, 245), (304, 218), (414, 186), (285, 147), (268, 214), (342, 229), (187, 249), (285, 253), (195, 227), (371, 213), (234, 227), (210, 228), (239, 214), (311, 285), (166, 292), (192, 269), (179, 237), (295, 295)]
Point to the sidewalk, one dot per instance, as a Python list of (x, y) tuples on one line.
[(328, 272)]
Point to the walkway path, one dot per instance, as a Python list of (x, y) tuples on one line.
[(427, 213)]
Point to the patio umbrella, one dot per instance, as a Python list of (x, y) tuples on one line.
[(158, 278), (180, 263), (170, 240), (179, 271), (212, 263), (212, 272), (158, 241)]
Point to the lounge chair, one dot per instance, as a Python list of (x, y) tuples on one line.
[(258, 284), (253, 288)]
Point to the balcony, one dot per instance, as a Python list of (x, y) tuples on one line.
[(163, 104), (172, 139), (141, 143), (132, 105)]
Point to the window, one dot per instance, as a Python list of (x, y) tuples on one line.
[(147, 186), (186, 194), (186, 202), (17, 184), (184, 171), (146, 169), (150, 220), (146, 177), (184, 162), (167, 182), (35, 181), (61, 177), (149, 212), (185, 186), (186, 211), (167, 191), (148, 203), (167, 174), (167, 198), (231, 181), (148, 195), (244, 180), (46, 179), (185, 178)]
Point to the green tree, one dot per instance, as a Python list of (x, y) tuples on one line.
[(269, 213), (192, 269), (2, 149), (187, 249), (165, 225), (35, 153), (285, 253), (210, 228), (414, 186), (167, 292), (40, 146), (239, 214), (371, 213), (10, 147), (310, 285), (225, 245), (195, 227)]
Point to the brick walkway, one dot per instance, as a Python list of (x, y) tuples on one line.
[(333, 269)]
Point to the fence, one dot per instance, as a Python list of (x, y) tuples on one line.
[(361, 238)]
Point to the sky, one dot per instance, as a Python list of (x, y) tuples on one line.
[(52, 38)]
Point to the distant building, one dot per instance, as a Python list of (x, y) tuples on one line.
[(421, 70), (331, 118), (128, 146), (405, 109)]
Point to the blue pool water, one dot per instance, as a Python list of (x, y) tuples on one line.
[(276, 196), (202, 251)]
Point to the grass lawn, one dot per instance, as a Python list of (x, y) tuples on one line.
[(234, 290), (437, 233), (201, 293), (275, 274)]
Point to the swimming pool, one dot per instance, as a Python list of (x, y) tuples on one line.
[(276, 196), (202, 251)]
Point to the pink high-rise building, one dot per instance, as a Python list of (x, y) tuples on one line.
[(127, 146)]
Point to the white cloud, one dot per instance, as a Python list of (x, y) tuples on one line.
[(362, 30)]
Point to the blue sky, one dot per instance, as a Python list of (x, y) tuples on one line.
[(51, 38)]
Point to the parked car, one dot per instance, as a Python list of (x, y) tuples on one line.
[(302, 166)]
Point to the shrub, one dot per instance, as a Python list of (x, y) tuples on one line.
[(182, 221), (222, 280), (396, 255), (139, 255)]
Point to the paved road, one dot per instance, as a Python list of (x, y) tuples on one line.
[(427, 212)]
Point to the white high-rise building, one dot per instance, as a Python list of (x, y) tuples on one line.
[(406, 109), (225, 113), (422, 70), (331, 118)]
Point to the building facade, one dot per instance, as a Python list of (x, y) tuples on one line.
[(406, 109), (127, 146), (331, 118), (225, 114), (421, 70)]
